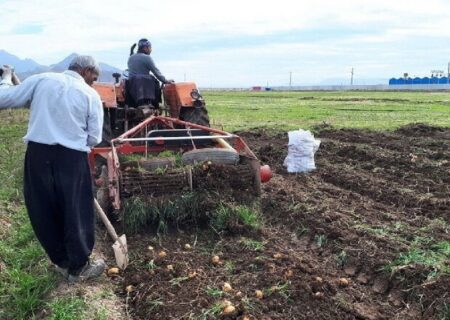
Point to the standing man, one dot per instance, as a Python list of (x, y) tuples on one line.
[(66, 118)]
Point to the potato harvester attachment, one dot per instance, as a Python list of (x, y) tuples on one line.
[(169, 156)]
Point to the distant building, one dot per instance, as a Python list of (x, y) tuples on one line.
[(425, 80)]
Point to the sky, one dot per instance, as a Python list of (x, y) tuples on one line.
[(240, 43)]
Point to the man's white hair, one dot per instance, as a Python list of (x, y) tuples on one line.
[(84, 62)]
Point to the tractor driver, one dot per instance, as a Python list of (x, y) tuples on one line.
[(142, 87), (142, 64)]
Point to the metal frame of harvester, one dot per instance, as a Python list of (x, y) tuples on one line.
[(156, 134), (143, 140)]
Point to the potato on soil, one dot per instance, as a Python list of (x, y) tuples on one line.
[(162, 254), (187, 247), (192, 274), (229, 310), (113, 271), (259, 294), (225, 303), (215, 260), (169, 267), (343, 282), (129, 288), (227, 287)]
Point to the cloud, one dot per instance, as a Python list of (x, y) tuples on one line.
[(236, 41)]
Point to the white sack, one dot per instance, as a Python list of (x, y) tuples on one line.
[(301, 149)]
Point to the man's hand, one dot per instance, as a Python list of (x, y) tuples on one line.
[(171, 81), (7, 71), (6, 76), (9, 77)]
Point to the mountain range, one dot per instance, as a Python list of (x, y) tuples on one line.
[(27, 67)]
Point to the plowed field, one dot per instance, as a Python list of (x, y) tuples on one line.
[(364, 236)]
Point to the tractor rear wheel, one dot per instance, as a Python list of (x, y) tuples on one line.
[(197, 115)]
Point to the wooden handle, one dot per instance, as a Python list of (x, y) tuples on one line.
[(106, 221)]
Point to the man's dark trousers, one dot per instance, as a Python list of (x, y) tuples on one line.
[(59, 199)]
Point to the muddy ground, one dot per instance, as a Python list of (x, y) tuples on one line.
[(331, 240)]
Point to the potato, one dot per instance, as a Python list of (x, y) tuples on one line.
[(228, 310), (215, 260), (259, 294), (278, 255), (227, 287), (169, 267), (129, 288), (225, 303), (113, 271), (162, 254), (343, 282), (187, 246)]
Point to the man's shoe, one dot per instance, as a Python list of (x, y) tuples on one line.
[(91, 270), (63, 271)]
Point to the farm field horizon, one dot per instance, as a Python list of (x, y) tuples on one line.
[(364, 236), (292, 110)]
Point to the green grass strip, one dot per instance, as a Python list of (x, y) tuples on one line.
[(436, 257), (25, 280), (24, 276)]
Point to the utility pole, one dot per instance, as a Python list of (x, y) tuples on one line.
[(448, 73), (290, 79), (351, 79)]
